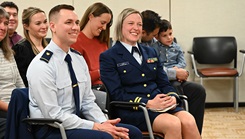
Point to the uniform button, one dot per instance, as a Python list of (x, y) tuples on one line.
[(124, 71), (148, 95), (154, 68), (48, 53), (166, 54), (143, 75), (145, 85), (167, 60)]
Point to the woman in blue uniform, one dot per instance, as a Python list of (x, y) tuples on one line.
[(133, 73)]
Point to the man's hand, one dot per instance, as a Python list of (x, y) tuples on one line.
[(181, 74), (109, 127)]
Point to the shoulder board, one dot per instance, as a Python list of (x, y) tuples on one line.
[(75, 51), (46, 56)]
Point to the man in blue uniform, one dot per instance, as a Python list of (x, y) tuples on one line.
[(60, 86)]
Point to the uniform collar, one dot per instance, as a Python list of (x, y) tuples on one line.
[(128, 47), (58, 52)]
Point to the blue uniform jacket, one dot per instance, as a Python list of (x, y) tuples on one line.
[(127, 80)]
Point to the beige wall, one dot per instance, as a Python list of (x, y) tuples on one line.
[(189, 18)]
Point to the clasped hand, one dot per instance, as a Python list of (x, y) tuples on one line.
[(161, 101), (109, 127), (181, 74)]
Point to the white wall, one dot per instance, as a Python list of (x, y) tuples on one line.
[(211, 18), (190, 18)]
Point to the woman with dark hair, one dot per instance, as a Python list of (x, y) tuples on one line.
[(35, 28), (92, 41)]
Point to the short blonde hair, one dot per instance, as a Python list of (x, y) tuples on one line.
[(118, 27)]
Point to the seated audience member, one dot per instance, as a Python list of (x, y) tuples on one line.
[(151, 23), (132, 73), (172, 58), (35, 26), (196, 93), (92, 40), (60, 87), (12, 9), (9, 74)]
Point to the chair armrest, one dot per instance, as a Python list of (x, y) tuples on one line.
[(127, 104), (43, 121), (242, 51), (243, 61), (194, 67), (183, 97), (190, 52), (40, 121)]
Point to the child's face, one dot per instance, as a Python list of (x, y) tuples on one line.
[(166, 38)]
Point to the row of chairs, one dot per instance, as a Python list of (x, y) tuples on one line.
[(19, 123)]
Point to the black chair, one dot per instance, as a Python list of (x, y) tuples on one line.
[(217, 57), (19, 125)]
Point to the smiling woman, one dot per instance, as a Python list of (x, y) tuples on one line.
[(143, 82), (9, 74), (35, 28), (92, 41)]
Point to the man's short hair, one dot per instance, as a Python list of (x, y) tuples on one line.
[(56, 9), (9, 4), (151, 20)]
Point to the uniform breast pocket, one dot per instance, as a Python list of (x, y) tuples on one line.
[(125, 69), (82, 80), (64, 90)]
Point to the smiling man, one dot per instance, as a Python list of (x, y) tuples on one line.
[(12, 9)]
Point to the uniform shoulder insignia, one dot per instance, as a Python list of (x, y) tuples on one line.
[(75, 51), (46, 56)]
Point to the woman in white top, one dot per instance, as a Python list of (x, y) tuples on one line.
[(9, 74)]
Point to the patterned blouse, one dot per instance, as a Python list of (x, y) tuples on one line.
[(9, 77)]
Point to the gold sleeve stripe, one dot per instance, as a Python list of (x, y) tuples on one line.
[(135, 100)]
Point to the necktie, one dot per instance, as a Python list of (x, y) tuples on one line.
[(135, 50), (136, 54), (75, 88)]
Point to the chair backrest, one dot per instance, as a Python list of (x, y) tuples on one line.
[(215, 50), (18, 109)]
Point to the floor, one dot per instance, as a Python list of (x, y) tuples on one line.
[(224, 123)]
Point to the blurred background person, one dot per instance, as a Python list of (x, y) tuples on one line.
[(12, 9), (35, 26), (9, 74)]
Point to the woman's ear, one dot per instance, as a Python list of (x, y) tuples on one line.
[(90, 16), (25, 26)]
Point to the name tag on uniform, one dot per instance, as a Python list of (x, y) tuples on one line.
[(152, 60), (122, 64)]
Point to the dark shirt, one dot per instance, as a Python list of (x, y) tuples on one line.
[(23, 57), (14, 39)]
